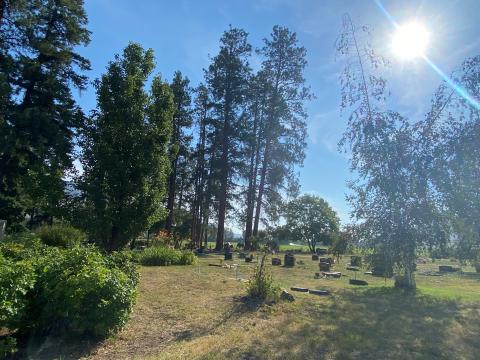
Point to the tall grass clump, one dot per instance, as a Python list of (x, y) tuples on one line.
[(261, 286), (164, 256)]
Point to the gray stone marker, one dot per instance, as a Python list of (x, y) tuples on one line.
[(3, 225)]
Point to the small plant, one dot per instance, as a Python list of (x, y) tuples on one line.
[(61, 235), (261, 286), (164, 256)]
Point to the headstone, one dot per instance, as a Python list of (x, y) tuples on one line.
[(357, 282), (285, 295), (336, 274), (289, 260), (249, 259), (276, 261), (242, 255), (448, 268), (319, 292), (321, 251), (314, 257), (228, 256), (299, 289), (3, 225), (324, 266), (355, 260), (326, 260)]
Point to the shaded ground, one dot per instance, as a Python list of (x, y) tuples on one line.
[(196, 312)]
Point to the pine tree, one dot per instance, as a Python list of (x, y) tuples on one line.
[(281, 145), (40, 118), (180, 143), (227, 79)]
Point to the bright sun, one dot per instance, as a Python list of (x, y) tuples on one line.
[(410, 40)]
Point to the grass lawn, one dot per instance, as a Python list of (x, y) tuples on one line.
[(197, 312)]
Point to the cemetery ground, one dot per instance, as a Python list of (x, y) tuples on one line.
[(199, 312)]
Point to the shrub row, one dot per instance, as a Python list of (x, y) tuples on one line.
[(164, 256), (76, 290)]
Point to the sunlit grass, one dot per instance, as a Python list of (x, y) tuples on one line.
[(197, 312)]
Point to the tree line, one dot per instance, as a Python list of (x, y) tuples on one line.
[(164, 156)]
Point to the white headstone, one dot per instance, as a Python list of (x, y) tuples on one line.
[(3, 225)]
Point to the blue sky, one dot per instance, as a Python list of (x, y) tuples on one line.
[(184, 33)]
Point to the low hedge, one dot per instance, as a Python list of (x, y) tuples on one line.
[(61, 235), (164, 256)]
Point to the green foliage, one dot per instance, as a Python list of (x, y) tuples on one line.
[(126, 158), (8, 346), (310, 220), (164, 256), (261, 286), (17, 279), (75, 290), (39, 118), (61, 235), (81, 291)]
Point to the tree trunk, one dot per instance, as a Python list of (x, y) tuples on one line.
[(252, 183), (222, 204), (114, 239), (261, 189), (171, 196)]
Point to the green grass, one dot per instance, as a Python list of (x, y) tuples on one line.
[(197, 312)]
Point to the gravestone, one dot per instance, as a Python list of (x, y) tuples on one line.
[(327, 260), (448, 268), (321, 251), (289, 260), (319, 292), (242, 255), (285, 295), (3, 225), (355, 260), (276, 261), (299, 289), (357, 282), (249, 259), (228, 256), (324, 266), (314, 257)]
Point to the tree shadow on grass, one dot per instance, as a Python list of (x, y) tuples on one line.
[(56, 347), (380, 323)]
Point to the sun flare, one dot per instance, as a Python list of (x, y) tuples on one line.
[(410, 40)]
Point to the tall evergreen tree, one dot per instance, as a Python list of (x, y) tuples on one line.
[(126, 160), (40, 119), (283, 128), (200, 202), (180, 143), (227, 79)]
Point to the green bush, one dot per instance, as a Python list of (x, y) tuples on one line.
[(61, 235), (81, 291), (163, 256), (47, 289), (261, 286), (17, 279)]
